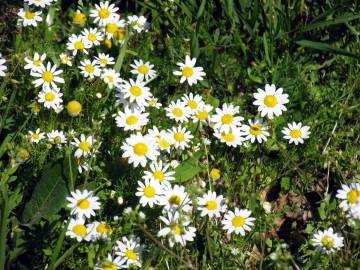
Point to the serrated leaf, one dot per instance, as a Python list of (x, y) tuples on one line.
[(48, 197), (189, 168)]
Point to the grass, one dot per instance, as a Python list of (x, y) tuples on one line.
[(309, 48)]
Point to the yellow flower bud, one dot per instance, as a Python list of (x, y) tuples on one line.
[(215, 174), (107, 43), (74, 108), (79, 18)]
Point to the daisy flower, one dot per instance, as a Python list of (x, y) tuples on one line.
[(3, 67), (29, 18), (181, 137), (35, 63), (159, 172), (101, 230), (138, 23), (174, 198), (65, 59), (212, 205), (143, 70), (232, 138), (93, 35), (296, 133), (78, 44), (85, 145), (139, 149), (131, 119), (111, 263), (89, 68), (202, 114), (238, 221), (36, 136), (48, 76), (328, 241), (78, 230), (83, 204), (255, 131), (349, 195), (153, 102), (135, 92), (163, 138), (39, 3), (225, 118), (178, 230), (51, 98), (112, 27), (111, 78), (104, 12), (178, 111), (79, 18), (194, 103), (56, 137), (149, 192), (104, 59), (130, 249), (270, 101), (189, 72), (83, 165)]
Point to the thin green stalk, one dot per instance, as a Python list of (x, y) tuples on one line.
[(65, 255), (4, 221), (58, 247), (120, 59)]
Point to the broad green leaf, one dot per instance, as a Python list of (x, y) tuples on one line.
[(325, 47), (201, 9), (48, 196), (189, 168)]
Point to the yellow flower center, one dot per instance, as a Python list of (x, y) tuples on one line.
[(177, 112), (103, 228), (328, 241), (179, 137), (89, 68), (149, 192), (57, 139), (83, 203), (79, 18), (47, 76), (131, 120), (255, 130), (143, 69), (92, 37), (36, 136), (74, 107), (111, 28), (202, 115), (103, 61), (159, 175), (104, 13), (80, 230), (215, 173), (176, 229), (238, 221), (270, 101), (228, 137), (79, 45), (295, 133), (211, 205), (187, 72), (140, 149), (164, 144), (227, 119), (37, 63), (110, 78), (192, 104), (85, 146), (135, 91), (109, 266), (119, 34), (175, 199), (50, 96), (29, 15), (131, 254), (353, 196)]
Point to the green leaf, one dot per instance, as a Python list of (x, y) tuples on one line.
[(321, 211), (189, 168), (48, 197), (325, 47), (285, 183), (201, 9)]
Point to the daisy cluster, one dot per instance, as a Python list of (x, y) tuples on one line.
[(83, 205)]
